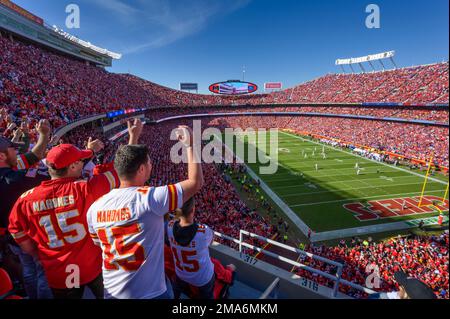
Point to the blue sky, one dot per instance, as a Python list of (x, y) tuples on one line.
[(205, 41)]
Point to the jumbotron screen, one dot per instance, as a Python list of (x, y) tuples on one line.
[(233, 88)]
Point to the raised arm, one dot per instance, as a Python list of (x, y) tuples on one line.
[(195, 180), (135, 131), (44, 130)]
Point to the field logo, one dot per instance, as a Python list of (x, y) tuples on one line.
[(373, 20), (73, 19), (73, 279), (213, 150), (395, 207), (373, 279)]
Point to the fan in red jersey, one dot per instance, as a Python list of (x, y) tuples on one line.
[(49, 221)]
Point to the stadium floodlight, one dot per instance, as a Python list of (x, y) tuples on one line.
[(367, 59), (88, 45)]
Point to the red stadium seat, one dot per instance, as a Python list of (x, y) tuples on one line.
[(224, 276), (6, 286)]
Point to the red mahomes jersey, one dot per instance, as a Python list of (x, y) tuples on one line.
[(53, 215)]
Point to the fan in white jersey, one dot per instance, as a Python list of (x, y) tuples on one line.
[(189, 243), (128, 224)]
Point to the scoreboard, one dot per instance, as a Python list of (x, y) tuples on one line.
[(233, 87)]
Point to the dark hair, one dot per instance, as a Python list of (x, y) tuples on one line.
[(186, 210), (129, 159), (60, 173)]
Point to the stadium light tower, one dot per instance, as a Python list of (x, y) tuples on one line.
[(393, 62), (351, 67), (362, 67), (368, 59)]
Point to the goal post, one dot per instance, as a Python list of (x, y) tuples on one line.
[(422, 195)]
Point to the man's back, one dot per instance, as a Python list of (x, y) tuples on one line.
[(12, 185), (128, 224), (53, 215), (14, 182)]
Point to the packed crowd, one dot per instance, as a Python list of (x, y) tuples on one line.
[(423, 84), (422, 257), (219, 204), (66, 89), (412, 141), (434, 114), (425, 258)]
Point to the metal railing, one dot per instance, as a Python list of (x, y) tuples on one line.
[(272, 290), (337, 278)]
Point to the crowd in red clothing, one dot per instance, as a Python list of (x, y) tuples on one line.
[(423, 84), (412, 141), (36, 83), (434, 114), (425, 258), (219, 204), (220, 207), (41, 84)]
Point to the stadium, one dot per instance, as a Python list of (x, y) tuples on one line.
[(360, 188)]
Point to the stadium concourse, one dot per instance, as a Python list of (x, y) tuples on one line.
[(38, 84)]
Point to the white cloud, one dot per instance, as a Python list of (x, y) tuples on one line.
[(118, 7), (166, 21)]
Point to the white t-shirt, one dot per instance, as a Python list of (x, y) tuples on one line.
[(193, 263), (128, 224)]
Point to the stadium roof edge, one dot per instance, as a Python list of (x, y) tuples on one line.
[(42, 34), (372, 72)]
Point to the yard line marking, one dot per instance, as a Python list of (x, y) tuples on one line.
[(356, 198), (342, 171), (296, 220), (355, 155), (343, 190), (327, 183), (328, 162)]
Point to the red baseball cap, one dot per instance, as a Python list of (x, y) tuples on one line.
[(64, 155)]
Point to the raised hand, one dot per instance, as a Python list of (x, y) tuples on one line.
[(43, 128), (185, 135), (95, 146), (17, 135), (11, 126), (136, 127), (135, 130)]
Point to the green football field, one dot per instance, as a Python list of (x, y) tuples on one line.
[(334, 196)]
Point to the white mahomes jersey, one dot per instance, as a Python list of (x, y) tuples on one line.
[(128, 224), (193, 263)]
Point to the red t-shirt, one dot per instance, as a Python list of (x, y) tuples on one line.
[(53, 215)]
